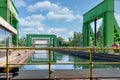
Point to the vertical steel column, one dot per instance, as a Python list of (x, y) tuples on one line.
[(95, 29), (49, 62), (7, 64), (90, 64)]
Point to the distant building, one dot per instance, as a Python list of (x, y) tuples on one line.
[(8, 24)]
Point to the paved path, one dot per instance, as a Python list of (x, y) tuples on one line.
[(16, 56), (105, 74)]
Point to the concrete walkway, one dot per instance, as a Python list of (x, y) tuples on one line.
[(98, 74), (16, 56)]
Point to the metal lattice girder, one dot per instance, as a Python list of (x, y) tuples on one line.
[(103, 10), (52, 38), (99, 10)]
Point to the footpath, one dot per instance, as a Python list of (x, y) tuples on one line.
[(20, 56)]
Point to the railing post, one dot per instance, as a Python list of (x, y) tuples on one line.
[(49, 62), (90, 64), (7, 64)]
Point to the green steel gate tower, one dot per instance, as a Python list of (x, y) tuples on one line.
[(110, 27), (9, 13), (31, 38)]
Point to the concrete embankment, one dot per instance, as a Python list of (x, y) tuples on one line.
[(96, 55)]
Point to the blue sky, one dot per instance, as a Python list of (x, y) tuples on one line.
[(60, 17)]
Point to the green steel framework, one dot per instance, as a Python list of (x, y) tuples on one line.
[(53, 39), (52, 43), (9, 13), (110, 26)]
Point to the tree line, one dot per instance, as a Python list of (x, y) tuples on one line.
[(74, 41)]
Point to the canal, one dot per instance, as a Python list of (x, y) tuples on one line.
[(42, 56)]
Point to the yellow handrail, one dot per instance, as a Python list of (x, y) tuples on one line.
[(7, 64), (91, 49), (90, 64), (61, 48)]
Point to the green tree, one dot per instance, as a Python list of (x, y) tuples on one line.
[(22, 41), (76, 41), (100, 36), (62, 42)]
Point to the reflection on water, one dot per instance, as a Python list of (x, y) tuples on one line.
[(42, 56)]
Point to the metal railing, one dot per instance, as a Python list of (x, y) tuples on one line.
[(49, 58)]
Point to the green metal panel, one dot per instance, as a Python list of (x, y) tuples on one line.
[(3, 3), (52, 38), (12, 9), (86, 39), (3, 13), (94, 13), (28, 40), (3, 9), (108, 29), (15, 37), (99, 10), (111, 29), (9, 13)]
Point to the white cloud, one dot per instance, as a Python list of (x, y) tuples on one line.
[(33, 30), (25, 23), (32, 21), (28, 29), (117, 16), (57, 30), (35, 18), (78, 16), (45, 5), (99, 24), (55, 11), (32, 24), (61, 32), (71, 33), (20, 3), (40, 29), (58, 16)]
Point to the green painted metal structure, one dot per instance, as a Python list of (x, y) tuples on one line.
[(52, 42), (110, 27), (9, 13), (52, 39)]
